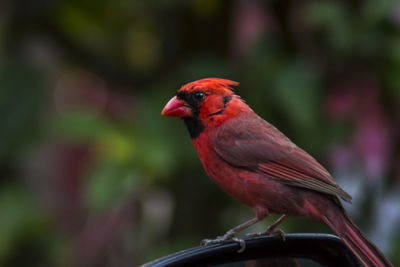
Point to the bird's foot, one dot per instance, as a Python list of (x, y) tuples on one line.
[(269, 231), (220, 239), (230, 235)]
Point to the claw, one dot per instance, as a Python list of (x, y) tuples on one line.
[(281, 233), (242, 244), (218, 240), (206, 242)]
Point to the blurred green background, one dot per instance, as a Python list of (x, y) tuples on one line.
[(92, 175)]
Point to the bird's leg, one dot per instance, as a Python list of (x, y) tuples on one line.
[(231, 235), (272, 229)]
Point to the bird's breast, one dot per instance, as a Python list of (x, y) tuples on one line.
[(224, 175)]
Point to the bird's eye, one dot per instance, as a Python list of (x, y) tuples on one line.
[(198, 96)]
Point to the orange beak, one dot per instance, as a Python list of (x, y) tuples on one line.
[(176, 108)]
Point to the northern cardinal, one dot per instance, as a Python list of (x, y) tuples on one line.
[(255, 163)]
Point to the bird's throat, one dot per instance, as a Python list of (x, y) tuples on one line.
[(194, 126)]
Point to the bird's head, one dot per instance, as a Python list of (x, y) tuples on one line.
[(204, 103)]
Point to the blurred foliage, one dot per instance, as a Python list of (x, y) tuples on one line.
[(92, 175)]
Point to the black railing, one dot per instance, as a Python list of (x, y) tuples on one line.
[(325, 249)]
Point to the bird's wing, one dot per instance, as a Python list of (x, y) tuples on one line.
[(250, 142)]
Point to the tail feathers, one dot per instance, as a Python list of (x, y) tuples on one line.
[(356, 241)]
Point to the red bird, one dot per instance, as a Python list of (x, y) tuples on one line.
[(255, 163)]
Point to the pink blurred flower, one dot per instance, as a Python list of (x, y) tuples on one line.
[(357, 99)]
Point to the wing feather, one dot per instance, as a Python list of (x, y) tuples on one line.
[(250, 142)]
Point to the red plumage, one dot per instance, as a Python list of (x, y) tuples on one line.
[(255, 163)]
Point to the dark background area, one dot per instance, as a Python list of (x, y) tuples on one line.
[(92, 175)]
